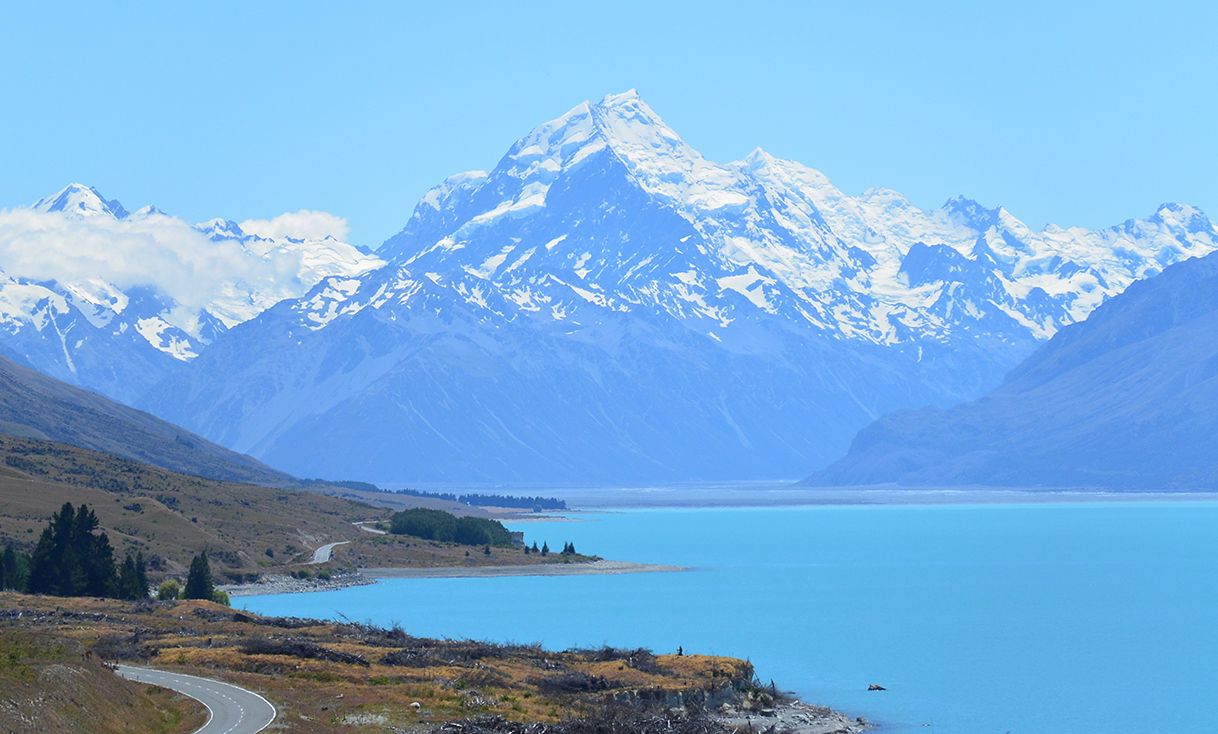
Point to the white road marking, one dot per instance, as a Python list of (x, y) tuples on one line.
[(208, 688)]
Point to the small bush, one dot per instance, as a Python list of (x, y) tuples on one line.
[(168, 590), (300, 649), (123, 648), (220, 596)]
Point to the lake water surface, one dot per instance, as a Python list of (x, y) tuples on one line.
[(1030, 619)]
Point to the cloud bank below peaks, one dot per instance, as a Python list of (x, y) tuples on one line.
[(227, 277), (303, 225)]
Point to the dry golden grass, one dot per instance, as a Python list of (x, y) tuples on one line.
[(328, 677), (52, 683)]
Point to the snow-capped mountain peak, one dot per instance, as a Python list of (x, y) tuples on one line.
[(221, 229), (606, 302), (148, 211), (803, 248), (111, 301), (81, 201)]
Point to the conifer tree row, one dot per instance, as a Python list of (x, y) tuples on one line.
[(71, 560)]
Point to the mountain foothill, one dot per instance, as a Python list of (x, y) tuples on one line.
[(606, 305), (1123, 400)]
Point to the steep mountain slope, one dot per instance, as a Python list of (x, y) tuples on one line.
[(33, 405), (1127, 398), (608, 305), (114, 301)]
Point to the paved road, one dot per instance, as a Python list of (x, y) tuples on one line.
[(322, 554), (232, 710), (367, 529)]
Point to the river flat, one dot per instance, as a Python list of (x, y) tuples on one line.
[(1087, 617)]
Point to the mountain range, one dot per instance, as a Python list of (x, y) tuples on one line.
[(606, 305), (1124, 399), (114, 301)]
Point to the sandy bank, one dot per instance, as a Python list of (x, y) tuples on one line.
[(549, 569)]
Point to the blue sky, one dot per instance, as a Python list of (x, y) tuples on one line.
[(1076, 114)]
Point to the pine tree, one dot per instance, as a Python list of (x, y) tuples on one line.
[(97, 562), (70, 560), (545, 549), (199, 584), (127, 582), (10, 572), (141, 575), (49, 563)]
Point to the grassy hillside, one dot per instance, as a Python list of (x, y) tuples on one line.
[(51, 683), (33, 405), (169, 516)]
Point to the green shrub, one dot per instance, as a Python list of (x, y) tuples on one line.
[(220, 596), (444, 527), (168, 590)]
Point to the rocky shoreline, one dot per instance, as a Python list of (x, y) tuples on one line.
[(283, 584), (794, 718)]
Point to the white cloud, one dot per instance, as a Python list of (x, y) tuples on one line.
[(304, 224), (159, 251)]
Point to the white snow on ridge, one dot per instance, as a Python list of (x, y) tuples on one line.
[(91, 253), (872, 267)]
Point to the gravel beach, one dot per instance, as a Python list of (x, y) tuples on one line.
[(283, 584)]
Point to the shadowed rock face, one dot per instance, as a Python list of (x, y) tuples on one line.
[(1127, 398)]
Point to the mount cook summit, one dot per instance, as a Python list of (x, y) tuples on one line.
[(606, 305)]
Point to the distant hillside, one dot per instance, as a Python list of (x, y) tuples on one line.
[(33, 405), (1127, 398), (169, 516)]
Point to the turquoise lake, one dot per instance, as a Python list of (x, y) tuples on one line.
[(1029, 619)]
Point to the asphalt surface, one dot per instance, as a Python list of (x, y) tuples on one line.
[(322, 554), (232, 710)]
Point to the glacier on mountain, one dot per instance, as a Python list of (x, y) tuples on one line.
[(608, 305)]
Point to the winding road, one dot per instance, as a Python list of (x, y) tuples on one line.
[(322, 554), (231, 709)]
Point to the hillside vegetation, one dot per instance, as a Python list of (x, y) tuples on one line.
[(247, 530), (445, 527), (169, 516), (51, 683)]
